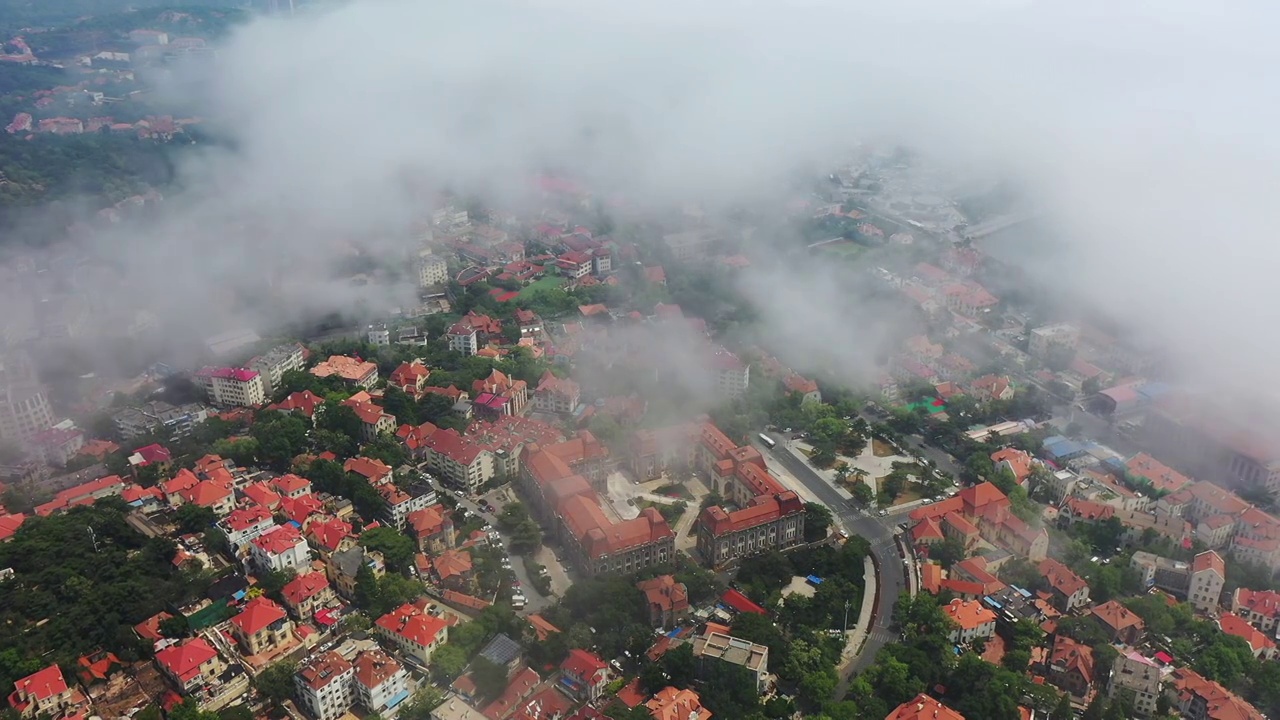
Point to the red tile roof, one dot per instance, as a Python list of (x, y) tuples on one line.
[(42, 684), (411, 622), (923, 707), (329, 533), (279, 539), (1116, 616), (304, 587), (183, 660), (9, 525), (320, 671), (257, 614), (969, 614), (370, 469), (244, 518), (1061, 578)]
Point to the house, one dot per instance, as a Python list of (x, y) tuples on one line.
[(371, 469), (1263, 647), (304, 403), (381, 683), (414, 438), (324, 686), (1070, 666), (510, 396), (668, 600), (453, 569), (969, 299), (412, 629), (329, 535), (190, 664), (280, 548), (352, 371), (432, 527), (291, 486), (374, 421), (1017, 462), (574, 264), (1197, 698), (261, 626), (1260, 607), (44, 693), (583, 675), (1199, 581), (717, 647), (344, 566), (672, 704), (463, 339), (1069, 591), (991, 387), (556, 395), (397, 504), (217, 495), (306, 594), (1119, 623), (517, 691), (9, 524), (277, 361), (83, 494), (1161, 478), (455, 708), (1136, 678), (807, 389), (972, 620), (923, 707), (245, 524), (410, 377), (261, 494)]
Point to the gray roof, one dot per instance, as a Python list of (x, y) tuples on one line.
[(348, 561), (501, 650)]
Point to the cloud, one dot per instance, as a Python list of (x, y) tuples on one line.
[(1146, 130)]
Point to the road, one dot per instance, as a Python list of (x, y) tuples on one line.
[(891, 581)]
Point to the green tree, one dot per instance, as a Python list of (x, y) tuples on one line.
[(490, 677), (448, 662), (863, 493), (427, 698), (817, 520), (396, 547), (275, 682), (242, 451), (192, 518), (948, 552)]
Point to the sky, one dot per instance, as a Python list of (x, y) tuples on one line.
[(1144, 129)]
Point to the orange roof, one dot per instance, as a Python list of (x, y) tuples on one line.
[(925, 530), (207, 493), (923, 707), (541, 627), (1233, 624), (931, 577), (257, 614), (428, 521), (1116, 616), (304, 402), (1220, 703), (328, 534), (672, 704), (324, 669), (1071, 656), (246, 517), (347, 368), (9, 525), (184, 659), (1263, 602), (374, 667), (1209, 560), (452, 563), (371, 469), (1061, 578), (969, 614), (1161, 476), (261, 494), (411, 622), (42, 684), (290, 484), (304, 587), (1019, 461)]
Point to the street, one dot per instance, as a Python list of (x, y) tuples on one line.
[(879, 533)]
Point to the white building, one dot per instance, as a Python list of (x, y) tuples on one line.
[(275, 363), (239, 387), (1044, 340), (379, 335), (245, 524), (1138, 678), (732, 375), (324, 686), (463, 339), (432, 270), (281, 548), (380, 682)]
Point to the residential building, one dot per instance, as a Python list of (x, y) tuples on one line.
[(324, 686), (584, 675), (504, 652), (453, 569), (44, 693), (306, 594), (432, 270), (381, 683), (463, 339), (24, 405), (237, 387), (352, 371), (344, 566), (84, 494), (988, 508), (374, 421), (969, 298), (329, 535), (56, 445), (277, 361), (410, 377), (1044, 341), (304, 403), (261, 626), (713, 647), (1120, 624), (133, 421), (1017, 462), (1263, 647), (1069, 591), (245, 524), (689, 245), (1260, 607), (190, 664), (507, 396), (279, 549), (1070, 666), (416, 632), (672, 704), (923, 707), (1136, 678), (992, 387), (379, 335), (668, 600), (458, 461), (556, 395), (574, 264), (1197, 698), (732, 375), (804, 387), (972, 620), (432, 527), (1199, 581)]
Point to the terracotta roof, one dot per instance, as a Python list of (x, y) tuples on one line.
[(184, 659), (370, 469), (1087, 509), (304, 402), (923, 707), (672, 704), (257, 614), (1233, 624), (1061, 578), (1262, 602), (323, 669), (1116, 616), (207, 493), (411, 622), (348, 368), (452, 563), (279, 539), (1209, 560), (329, 533), (1220, 703), (261, 494), (969, 614), (244, 518), (374, 667), (428, 521), (583, 664), (1019, 461), (9, 524), (541, 627), (1071, 656), (517, 690), (304, 587), (1161, 476)]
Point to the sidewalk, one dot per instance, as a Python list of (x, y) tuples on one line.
[(856, 636)]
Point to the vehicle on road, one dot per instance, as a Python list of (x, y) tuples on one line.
[(883, 513), (768, 441)]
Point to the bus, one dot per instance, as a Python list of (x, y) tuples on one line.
[(767, 440)]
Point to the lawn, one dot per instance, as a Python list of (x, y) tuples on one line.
[(846, 249), (880, 448), (550, 282)]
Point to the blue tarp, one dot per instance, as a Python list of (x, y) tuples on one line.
[(814, 580), (296, 524), (674, 633)]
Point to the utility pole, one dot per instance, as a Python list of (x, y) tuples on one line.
[(846, 615)]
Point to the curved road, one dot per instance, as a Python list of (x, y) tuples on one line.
[(891, 579)]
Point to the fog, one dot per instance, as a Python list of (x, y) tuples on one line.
[(1145, 130)]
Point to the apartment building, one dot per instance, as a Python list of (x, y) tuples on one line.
[(413, 629), (714, 647), (1199, 581), (279, 549), (556, 395), (272, 365), (1137, 679), (1048, 339), (235, 387), (324, 686), (381, 683), (463, 339), (432, 270), (24, 405), (352, 371)]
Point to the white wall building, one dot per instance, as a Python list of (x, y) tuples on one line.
[(279, 549), (324, 686)]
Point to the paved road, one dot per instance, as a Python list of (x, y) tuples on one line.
[(878, 532)]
